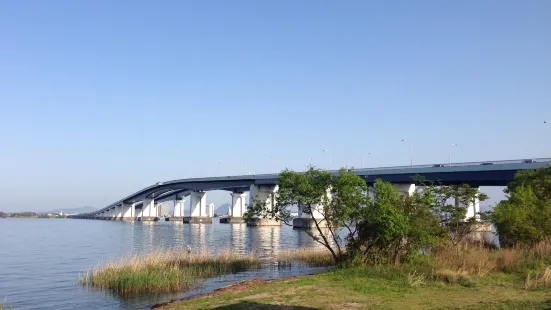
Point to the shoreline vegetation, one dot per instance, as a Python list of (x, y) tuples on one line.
[(468, 275), (163, 271), (400, 251)]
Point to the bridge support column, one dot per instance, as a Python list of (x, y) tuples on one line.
[(264, 194), (127, 212), (405, 189), (178, 215), (478, 229), (149, 210), (109, 215), (117, 214), (199, 210), (138, 212), (309, 220), (237, 209)]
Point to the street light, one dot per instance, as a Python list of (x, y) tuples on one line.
[(328, 151), (276, 162), (410, 151), (450, 155), (363, 159)]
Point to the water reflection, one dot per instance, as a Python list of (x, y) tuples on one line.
[(265, 241), (63, 248), (238, 235)]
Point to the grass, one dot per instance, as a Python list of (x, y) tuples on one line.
[(163, 271), (373, 288), (466, 277), (314, 257)]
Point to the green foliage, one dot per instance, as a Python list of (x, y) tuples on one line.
[(389, 229), (524, 217), (396, 226), (453, 216), (340, 200)]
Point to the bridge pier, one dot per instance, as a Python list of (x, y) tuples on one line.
[(236, 210), (308, 220), (127, 211), (405, 189), (265, 194), (478, 229), (198, 207), (109, 215), (149, 210), (178, 215), (117, 212), (138, 213)]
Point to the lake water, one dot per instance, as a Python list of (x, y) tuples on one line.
[(41, 259)]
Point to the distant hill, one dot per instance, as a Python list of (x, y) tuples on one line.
[(74, 210), (222, 209)]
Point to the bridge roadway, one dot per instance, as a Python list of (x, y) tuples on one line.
[(493, 173)]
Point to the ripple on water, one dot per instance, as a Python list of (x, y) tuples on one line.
[(41, 259)]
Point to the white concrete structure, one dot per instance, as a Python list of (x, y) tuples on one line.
[(127, 211), (473, 207), (210, 210), (138, 212), (149, 209), (265, 194), (197, 204), (179, 207), (405, 189), (306, 220), (238, 204), (163, 210), (117, 214)]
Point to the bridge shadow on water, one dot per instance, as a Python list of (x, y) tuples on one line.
[(260, 306)]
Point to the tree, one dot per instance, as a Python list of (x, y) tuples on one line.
[(331, 203), (453, 216), (397, 226), (524, 216)]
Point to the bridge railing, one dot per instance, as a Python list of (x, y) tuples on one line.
[(463, 164)]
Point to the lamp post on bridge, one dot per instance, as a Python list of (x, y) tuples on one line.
[(410, 152), (450, 154), (276, 162), (363, 159)]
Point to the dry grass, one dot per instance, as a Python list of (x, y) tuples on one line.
[(315, 257), (535, 280), (163, 271), (479, 261), (415, 279), (471, 260)]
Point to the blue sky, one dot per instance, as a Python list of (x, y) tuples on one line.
[(101, 98)]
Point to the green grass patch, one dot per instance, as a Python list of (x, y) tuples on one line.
[(373, 288)]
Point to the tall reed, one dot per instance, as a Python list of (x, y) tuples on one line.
[(163, 271), (477, 260), (315, 257)]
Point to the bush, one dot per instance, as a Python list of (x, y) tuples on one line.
[(524, 217)]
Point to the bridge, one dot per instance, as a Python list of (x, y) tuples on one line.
[(143, 204)]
